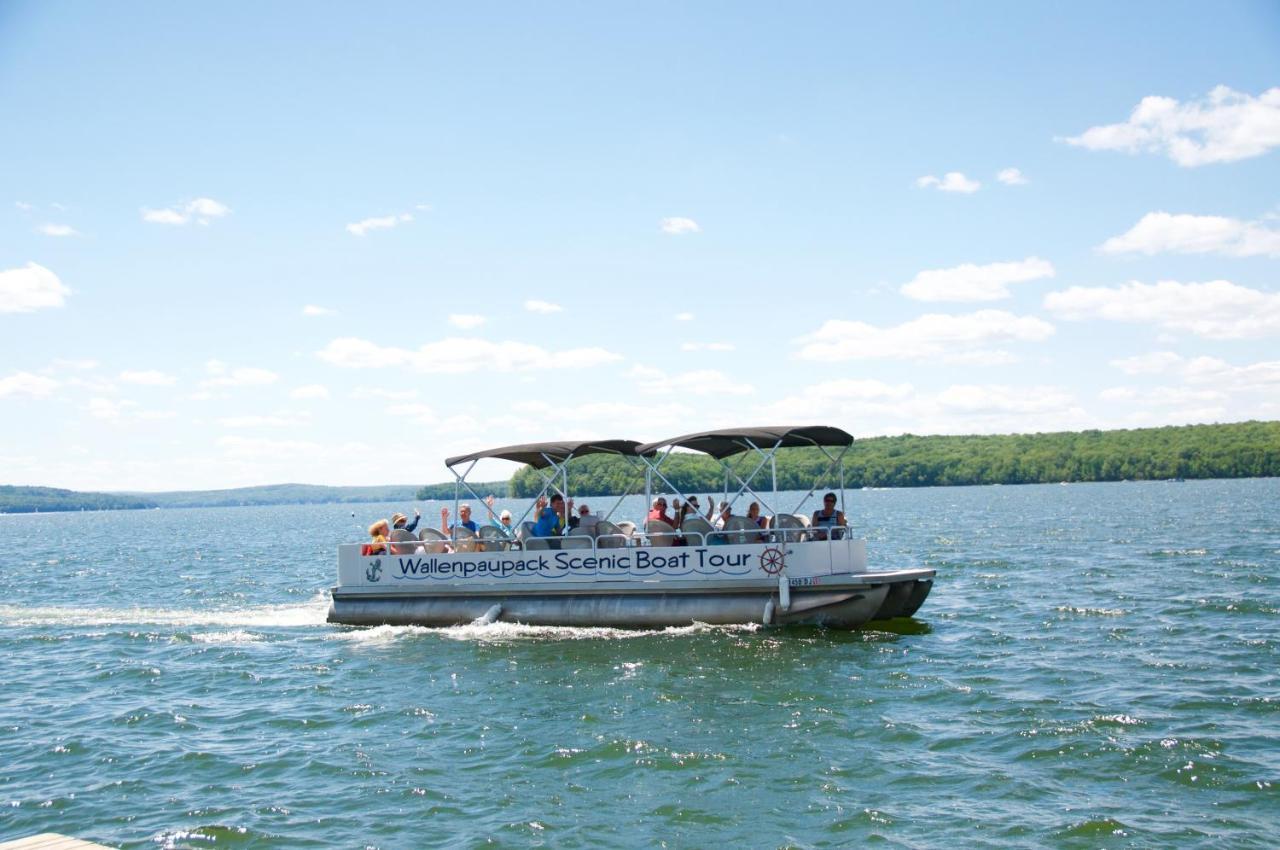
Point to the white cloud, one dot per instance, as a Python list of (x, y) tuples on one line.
[(313, 310), (1147, 364), (1012, 177), (31, 287), (1218, 309), (420, 414), (215, 367), (201, 211), (277, 420), (57, 230), (1159, 232), (1256, 377), (24, 206), (952, 181), (147, 377), (247, 376), (545, 307), (466, 321), (603, 418), (975, 283), (105, 408), (839, 399), (386, 222), (684, 317), (390, 395), (78, 365), (706, 346), (697, 382), (255, 447), (1224, 127), (310, 391), (457, 356), (27, 384), (677, 226), (928, 336), (992, 398)]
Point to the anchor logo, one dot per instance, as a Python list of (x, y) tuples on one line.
[(772, 560), (374, 572)]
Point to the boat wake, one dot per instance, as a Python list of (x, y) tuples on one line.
[(309, 613), (498, 632)]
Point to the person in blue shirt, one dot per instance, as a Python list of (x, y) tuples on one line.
[(550, 521), (464, 520)]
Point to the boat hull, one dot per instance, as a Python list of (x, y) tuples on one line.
[(847, 605)]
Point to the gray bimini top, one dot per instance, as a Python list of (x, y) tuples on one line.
[(731, 441), (542, 455)]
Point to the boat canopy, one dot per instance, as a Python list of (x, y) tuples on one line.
[(542, 455), (731, 441)]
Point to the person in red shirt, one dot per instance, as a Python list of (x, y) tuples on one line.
[(659, 512)]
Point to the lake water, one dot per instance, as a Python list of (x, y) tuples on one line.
[(1097, 666)]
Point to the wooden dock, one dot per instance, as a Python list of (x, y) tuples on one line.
[(50, 841)]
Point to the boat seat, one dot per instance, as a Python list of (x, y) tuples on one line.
[(538, 543), (492, 539), (577, 538), (740, 529), (464, 539), (627, 527), (433, 540), (791, 527), (659, 533), (524, 532), (696, 525), (610, 536), (398, 538)]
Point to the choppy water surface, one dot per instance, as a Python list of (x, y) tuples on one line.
[(1096, 667)]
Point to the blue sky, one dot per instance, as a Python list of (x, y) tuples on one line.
[(336, 244)]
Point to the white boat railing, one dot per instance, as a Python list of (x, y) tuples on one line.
[(838, 537)]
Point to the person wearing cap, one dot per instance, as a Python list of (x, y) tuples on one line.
[(398, 520), (400, 533)]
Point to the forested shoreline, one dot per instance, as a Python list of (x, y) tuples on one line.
[(1237, 450)]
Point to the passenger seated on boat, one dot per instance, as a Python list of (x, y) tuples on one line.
[(398, 520), (401, 532), (659, 513), (584, 520), (378, 532), (550, 518), (828, 518), (464, 519), (753, 514), (501, 522), (504, 523), (723, 512)]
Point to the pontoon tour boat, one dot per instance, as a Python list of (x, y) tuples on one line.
[(620, 574)]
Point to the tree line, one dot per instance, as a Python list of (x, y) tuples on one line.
[(1237, 450)]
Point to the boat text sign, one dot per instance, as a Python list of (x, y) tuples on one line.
[(693, 562)]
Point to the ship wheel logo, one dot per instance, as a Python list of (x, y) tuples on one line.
[(374, 572), (772, 560)]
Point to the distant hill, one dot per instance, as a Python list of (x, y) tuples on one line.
[(27, 500), (278, 494), (37, 499), (1235, 450)]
